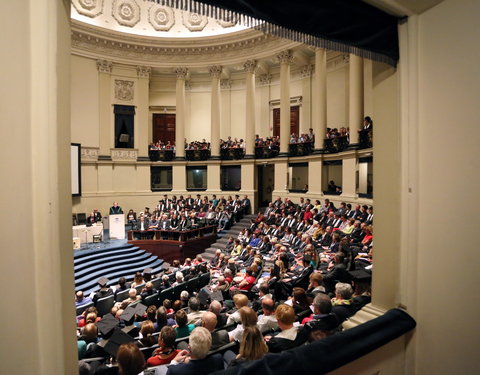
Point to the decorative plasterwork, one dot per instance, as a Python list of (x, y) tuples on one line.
[(338, 61), (126, 12), (285, 57), (89, 153), (194, 21), (225, 84), (144, 71), (123, 154), (188, 85), (104, 66), (181, 72), (295, 100), (307, 70), (94, 42), (228, 20), (124, 90), (89, 8), (265, 79), (161, 18), (250, 66), (215, 70)]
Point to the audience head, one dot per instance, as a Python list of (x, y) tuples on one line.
[(268, 306), (322, 304), (181, 318), (194, 304), (285, 315), (252, 346), (90, 332), (248, 316), (240, 300), (316, 279), (184, 295), (343, 291), (151, 312), (132, 293), (209, 320), (161, 317), (200, 341), (138, 278), (215, 307), (300, 297), (130, 360), (167, 337)]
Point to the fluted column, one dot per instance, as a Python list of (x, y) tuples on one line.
[(141, 128), (215, 72), (285, 58), (320, 90), (181, 73), (105, 123), (250, 66), (355, 97)]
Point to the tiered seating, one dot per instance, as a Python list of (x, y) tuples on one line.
[(112, 263), (222, 241)]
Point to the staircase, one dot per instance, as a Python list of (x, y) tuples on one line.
[(224, 235), (112, 263)]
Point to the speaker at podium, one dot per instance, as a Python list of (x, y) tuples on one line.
[(116, 227)]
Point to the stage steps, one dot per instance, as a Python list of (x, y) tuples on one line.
[(112, 263)]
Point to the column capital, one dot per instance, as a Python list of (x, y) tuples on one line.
[(225, 84), (307, 70), (104, 66), (265, 79), (181, 72), (215, 70), (285, 57), (143, 71), (250, 66)]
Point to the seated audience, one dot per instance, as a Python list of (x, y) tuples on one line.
[(166, 351), (290, 336), (252, 346)]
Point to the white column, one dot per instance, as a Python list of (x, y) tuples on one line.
[(105, 135), (320, 97), (285, 58), (181, 73), (215, 72), (355, 116), (250, 67), (141, 124)]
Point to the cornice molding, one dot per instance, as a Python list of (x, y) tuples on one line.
[(234, 48)]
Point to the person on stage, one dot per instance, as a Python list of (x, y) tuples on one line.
[(116, 209)]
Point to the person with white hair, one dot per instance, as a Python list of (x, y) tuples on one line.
[(195, 314), (342, 302), (178, 278), (195, 360)]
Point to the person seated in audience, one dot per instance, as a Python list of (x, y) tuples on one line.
[(290, 336), (300, 302), (178, 278), (219, 337), (342, 305), (165, 283), (248, 318), (195, 361), (121, 286), (90, 315), (146, 339), (104, 290), (184, 297), (90, 336), (247, 283), (162, 320), (166, 351), (216, 308), (198, 259), (183, 328), (336, 271), (195, 314), (132, 298), (316, 284), (81, 300), (148, 291), (252, 347), (137, 280), (240, 300), (130, 360), (267, 321)]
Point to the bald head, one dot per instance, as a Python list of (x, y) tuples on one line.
[(268, 306), (215, 307), (209, 320)]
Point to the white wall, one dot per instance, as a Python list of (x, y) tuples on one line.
[(84, 93)]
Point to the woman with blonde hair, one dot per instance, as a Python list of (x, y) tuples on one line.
[(252, 346), (146, 332), (137, 280)]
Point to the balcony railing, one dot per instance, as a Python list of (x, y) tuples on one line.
[(197, 155), (300, 149), (232, 153), (334, 145)]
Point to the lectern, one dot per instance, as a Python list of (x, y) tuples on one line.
[(116, 225)]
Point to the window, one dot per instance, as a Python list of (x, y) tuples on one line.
[(231, 177), (124, 120), (161, 178), (197, 178), (298, 177), (365, 177), (332, 177)]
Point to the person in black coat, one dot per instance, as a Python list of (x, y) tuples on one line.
[(336, 272), (290, 336)]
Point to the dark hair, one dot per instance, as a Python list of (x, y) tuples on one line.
[(194, 304), (122, 281), (168, 336), (151, 312), (161, 317), (130, 359), (181, 318)]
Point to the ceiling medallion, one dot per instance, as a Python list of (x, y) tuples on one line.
[(89, 8), (126, 12), (161, 18), (194, 21)]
